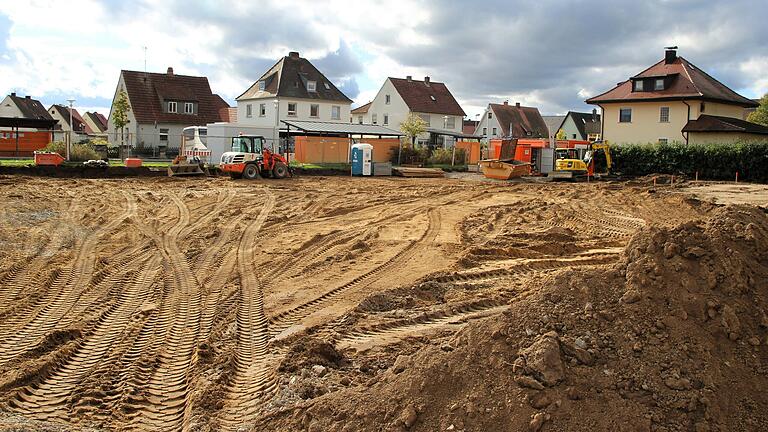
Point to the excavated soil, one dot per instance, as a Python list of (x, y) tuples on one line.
[(339, 304)]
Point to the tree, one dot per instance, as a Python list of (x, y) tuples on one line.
[(412, 127), (561, 136), (760, 115), (120, 110)]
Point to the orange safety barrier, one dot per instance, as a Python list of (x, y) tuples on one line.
[(29, 142), (310, 149), (133, 162), (472, 148)]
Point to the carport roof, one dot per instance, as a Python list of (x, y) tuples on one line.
[(340, 128)]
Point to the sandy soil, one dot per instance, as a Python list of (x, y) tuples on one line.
[(171, 304)]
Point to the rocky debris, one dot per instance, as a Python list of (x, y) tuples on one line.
[(537, 421), (401, 363), (544, 361), (540, 400), (529, 382), (319, 370), (409, 416)]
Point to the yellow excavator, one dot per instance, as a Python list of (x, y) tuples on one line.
[(596, 162)]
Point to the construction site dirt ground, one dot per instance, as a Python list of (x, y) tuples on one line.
[(336, 303)]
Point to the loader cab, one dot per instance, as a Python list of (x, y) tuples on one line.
[(248, 144)]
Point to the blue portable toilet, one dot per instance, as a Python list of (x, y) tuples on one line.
[(362, 159)]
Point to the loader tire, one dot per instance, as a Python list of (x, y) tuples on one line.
[(280, 171), (251, 172)]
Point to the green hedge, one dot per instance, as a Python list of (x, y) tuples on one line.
[(711, 161)]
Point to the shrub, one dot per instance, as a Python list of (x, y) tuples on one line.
[(445, 156), (410, 155), (712, 161), (78, 152)]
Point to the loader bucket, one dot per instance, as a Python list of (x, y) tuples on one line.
[(185, 169)]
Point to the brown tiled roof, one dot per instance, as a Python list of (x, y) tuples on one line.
[(79, 123), (586, 123), (520, 121), (30, 108), (685, 81), (288, 78), (433, 98), (362, 109), (148, 91), (710, 123), (98, 120), (468, 127)]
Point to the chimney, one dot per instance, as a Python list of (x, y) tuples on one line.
[(517, 104), (409, 78), (670, 55), (27, 97), (13, 94), (594, 114), (293, 54), (170, 71), (506, 102), (426, 80)]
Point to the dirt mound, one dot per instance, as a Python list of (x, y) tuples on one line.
[(311, 352), (670, 338)]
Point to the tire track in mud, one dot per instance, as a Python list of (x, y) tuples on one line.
[(49, 398), (167, 386), (254, 373), (68, 289), (292, 316)]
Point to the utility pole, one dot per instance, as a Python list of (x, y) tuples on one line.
[(145, 59), (71, 126)]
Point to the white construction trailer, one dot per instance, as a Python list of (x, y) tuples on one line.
[(220, 137)]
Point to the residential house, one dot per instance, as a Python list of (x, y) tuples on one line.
[(553, 123), (656, 104), (162, 105), (430, 100), (23, 107), (360, 115), (507, 121), (78, 128), (292, 89), (95, 123), (581, 126), (468, 126)]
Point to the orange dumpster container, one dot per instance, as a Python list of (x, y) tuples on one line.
[(48, 158), (133, 162)]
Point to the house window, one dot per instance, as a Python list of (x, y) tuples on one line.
[(663, 140), (360, 119), (573, 136), (493, 131), (262, 85), (432, 97), (262, 110), (248, 111), (426, 119), (189, 108), (386, 99), (164, 136), (327, 86), (172, 107), (639, 85), (311, 86), (490, 115), (485, 131), (450, 123), (658, 84), (386, 119), (373, 119), (292, 109), (314, 110), (664, 115), (625, 115), (336, 112)]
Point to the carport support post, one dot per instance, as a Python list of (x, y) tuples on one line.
[(17, 141), (399, 149)]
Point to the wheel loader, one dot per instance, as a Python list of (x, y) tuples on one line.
[(249, 159)]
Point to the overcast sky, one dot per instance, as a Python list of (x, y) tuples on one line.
[(548, 54)]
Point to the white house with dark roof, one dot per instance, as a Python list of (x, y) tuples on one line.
[(295, 88), (430, 100)]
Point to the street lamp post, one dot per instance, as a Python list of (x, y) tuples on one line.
[(71, 126), (277, 124)]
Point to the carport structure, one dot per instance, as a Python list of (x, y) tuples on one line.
[(18, 142), (327, 142)]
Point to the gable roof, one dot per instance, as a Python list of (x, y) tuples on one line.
[(684, 81), (468, 127), (96, 119), (585, 123), (520, 121), (362, 109), (30, 108), (553, 123), (427, 96), (289, 77), (79, 124), (148, 91), (710, 123)]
